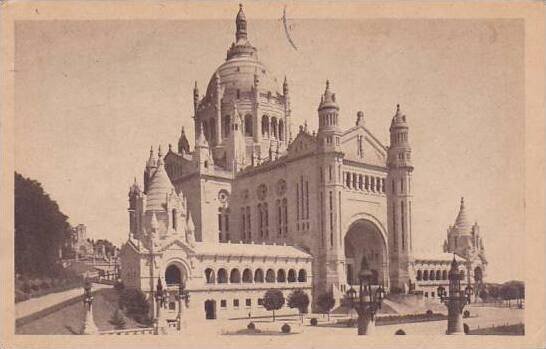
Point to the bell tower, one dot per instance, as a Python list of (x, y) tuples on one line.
[(399, 198)]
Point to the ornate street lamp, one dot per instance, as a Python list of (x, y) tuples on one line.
[(182, 295), (455, 301), (368, 302), (89, 326)]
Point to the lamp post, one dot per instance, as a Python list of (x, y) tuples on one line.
[(455, 301), (160, 324), (182, 295), (368, 302), (89, 326)]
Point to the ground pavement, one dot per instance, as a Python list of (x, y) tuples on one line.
[(35, 305)]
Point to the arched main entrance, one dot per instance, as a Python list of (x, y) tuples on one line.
[(210, 309), (175, 274), (364, 240)]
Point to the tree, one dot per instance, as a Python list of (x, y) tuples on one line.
[(40, 229), (118, 320), (300, 300), (326, 302), (273, 300), (483, 295)]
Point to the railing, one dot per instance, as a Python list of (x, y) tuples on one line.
[(131, 331)]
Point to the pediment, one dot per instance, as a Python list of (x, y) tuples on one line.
[(359, 144), (177, 244), (303, 144)]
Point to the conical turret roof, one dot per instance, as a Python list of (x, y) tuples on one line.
[(462, 225), (158, 190)]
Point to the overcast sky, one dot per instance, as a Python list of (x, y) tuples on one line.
[(93, 96)]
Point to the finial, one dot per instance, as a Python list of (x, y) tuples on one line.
[(285, 81), (397, 108), (182, 131), (151, 150), (159, 154), (240, 6), (327, 84), (195, 86), (170, 147)]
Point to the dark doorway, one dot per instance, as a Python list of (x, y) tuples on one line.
[(210, 309), (173, 275)]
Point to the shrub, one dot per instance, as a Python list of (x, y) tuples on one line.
[(429, 312), (119, 286), (285, 328), (134, 303), (400, 332), (273, 300), (466, 314), (118, 320), (251, 326), (466, 329), (314, 321)]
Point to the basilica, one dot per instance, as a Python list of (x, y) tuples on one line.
[(256, 205)]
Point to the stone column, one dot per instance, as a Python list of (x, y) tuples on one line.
[(88, 327), (455, 318)]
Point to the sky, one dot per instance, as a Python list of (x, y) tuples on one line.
[(91, 97)]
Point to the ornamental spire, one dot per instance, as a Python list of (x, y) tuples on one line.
[(240, 22)]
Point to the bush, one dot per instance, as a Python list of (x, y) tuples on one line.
[(466, 329), (429, 312), (466, 314), (314, 321), (119, 286), (400, 332), (285, 328), (134, 303), (118, 320), (251, 326)]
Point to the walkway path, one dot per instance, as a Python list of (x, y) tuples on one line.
[(35, 305)]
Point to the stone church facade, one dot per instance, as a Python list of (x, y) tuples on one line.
[(256, 206)]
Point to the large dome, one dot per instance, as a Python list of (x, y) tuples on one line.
[(238, 73)]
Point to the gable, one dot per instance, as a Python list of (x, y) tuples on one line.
[(358, 144), (303, 144)]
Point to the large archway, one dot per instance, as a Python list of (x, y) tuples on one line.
[(173, 275), (364, 239)]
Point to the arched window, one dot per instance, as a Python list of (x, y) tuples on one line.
[(425, 275), (438, 275), (444, 275), (265, 125), (281, 130), (431, 275), (235, 276), (247, 276), (209, 276), (227, 125), (291, 275), (281, 275), (302, 275), (259, 275), (248, 125), (270, 275), (419, 275), (222, 276), (274, 126)]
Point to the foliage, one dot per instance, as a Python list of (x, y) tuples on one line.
[(466, 329), (134, 303), (286, 328), (400, 332), (119, 285), (326, 302), (273, 300), (300, 300), (314, 321), (41, 229), (251, 326), (118, 319)]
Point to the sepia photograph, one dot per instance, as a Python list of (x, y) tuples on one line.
[(267, 174)]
